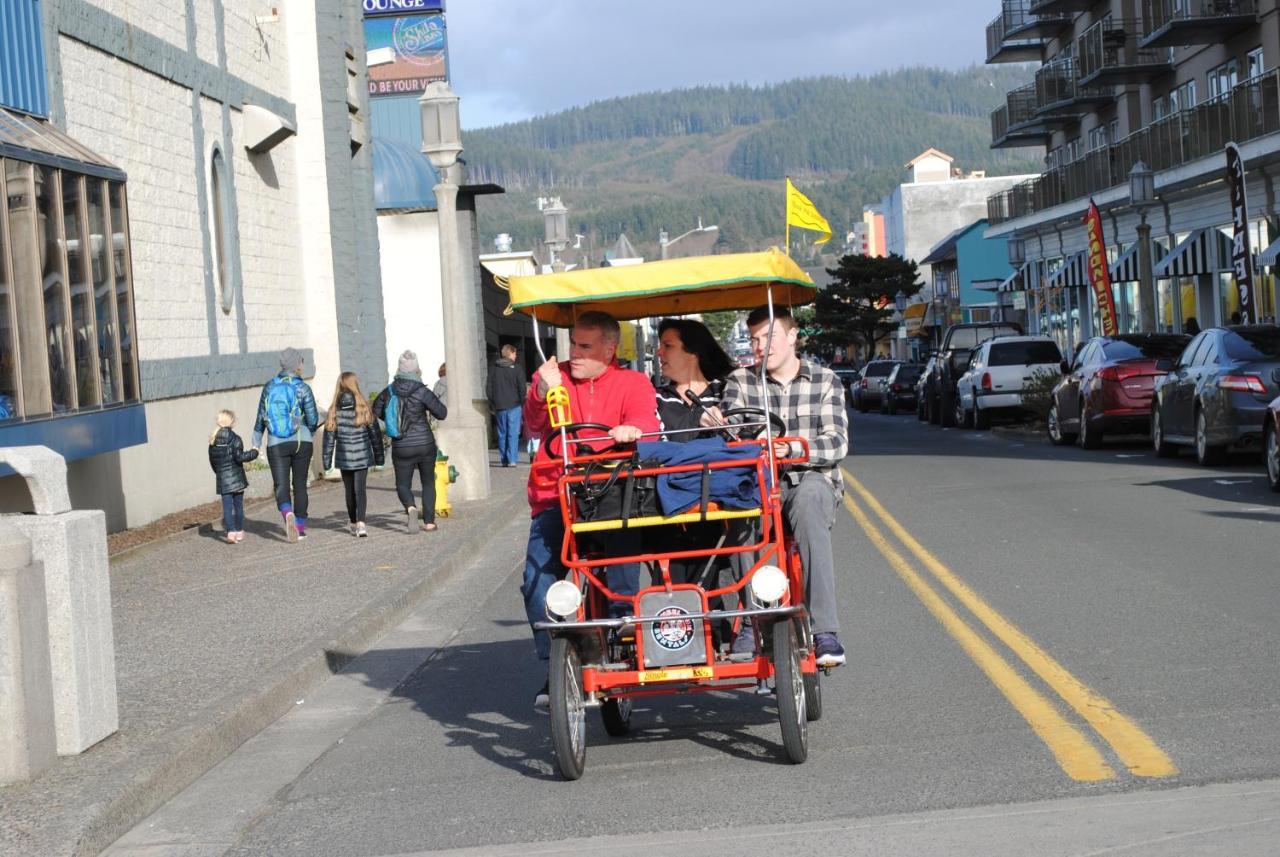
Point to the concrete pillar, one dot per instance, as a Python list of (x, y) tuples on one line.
[(464, 436), (27, 739)]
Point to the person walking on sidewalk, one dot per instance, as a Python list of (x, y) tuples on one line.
[(287, 418), (404, 407), (505, 390), (352, 442), (227, 458)]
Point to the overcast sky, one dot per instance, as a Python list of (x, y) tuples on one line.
[(512, 59)]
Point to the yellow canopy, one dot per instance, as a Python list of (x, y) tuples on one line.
[(672, 287)]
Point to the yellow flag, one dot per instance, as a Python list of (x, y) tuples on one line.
[(802, 214)]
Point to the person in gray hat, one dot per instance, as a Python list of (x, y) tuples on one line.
[(404, 407), (287, 418)]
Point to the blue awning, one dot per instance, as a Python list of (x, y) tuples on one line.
[(403, 178)]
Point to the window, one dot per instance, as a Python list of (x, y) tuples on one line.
[(1223, 78), (1183, 98), (1253, 63), (103, 291), (220, 220), (1189, 353), (10, 400), (57, 303), (1159, 108), (1024, 353), (82, 321), (124, 290), (981, 315)]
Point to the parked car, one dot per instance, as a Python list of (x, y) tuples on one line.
[(1216, 394), (898, 389), (848, 374), (922, 393), (1271, 438), (953, 360), (1108, 388), (998, 371), (866, 392)]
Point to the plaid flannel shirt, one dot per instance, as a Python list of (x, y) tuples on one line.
[(811, 406)]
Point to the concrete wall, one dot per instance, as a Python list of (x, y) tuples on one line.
[(411, 289)]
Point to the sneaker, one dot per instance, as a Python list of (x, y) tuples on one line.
[(543, 697), (239, 536), (828, 650), (744, 645), (412, 515), (361, 532), (290, 527), (231, 538)]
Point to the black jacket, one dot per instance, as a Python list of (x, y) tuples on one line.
[(675, 412), (506, 386), (352, 447), (416, 401), (227, 458)]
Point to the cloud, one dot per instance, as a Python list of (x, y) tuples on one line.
[(511, 59)]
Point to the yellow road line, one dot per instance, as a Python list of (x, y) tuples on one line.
[(1135, 748), (1074, 752)]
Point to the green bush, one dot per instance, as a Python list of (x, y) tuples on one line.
[(1036, 396)]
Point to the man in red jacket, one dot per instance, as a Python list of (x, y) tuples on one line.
[(599, 392)]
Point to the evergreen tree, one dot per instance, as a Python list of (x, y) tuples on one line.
[(857, 305)]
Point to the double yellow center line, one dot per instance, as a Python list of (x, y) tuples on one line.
[(1071, 746)]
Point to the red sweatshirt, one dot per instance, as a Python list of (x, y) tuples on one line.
[(618, 397)]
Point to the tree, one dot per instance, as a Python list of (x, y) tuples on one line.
[(720, 324), (859, 302)]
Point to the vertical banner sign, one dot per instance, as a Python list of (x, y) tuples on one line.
[(1241, 258), (1099, 271)]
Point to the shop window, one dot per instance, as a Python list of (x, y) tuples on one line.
[(123, 275)]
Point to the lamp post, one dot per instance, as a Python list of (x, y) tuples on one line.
[(464, 435), (1142, 195), (555, 230)]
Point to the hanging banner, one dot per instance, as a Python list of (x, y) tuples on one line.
[(1100, 271), (1241, 257)]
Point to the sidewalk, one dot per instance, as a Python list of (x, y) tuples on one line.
[(216, 641)]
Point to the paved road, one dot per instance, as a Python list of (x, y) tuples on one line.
[(1055, 651)]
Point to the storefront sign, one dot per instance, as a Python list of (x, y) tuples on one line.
[(1241, 258), (400, 7), (1099, 271), (1019, 300), (415, 45)]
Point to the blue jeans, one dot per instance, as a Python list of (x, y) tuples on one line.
[(508, 435), (233, 512), (542, 568)]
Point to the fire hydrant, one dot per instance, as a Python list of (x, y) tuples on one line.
[(446, 474)]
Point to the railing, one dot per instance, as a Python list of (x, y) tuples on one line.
[(1019, 108), (1056, 81), (1157, 14), (1016, 15), (1248, 111), (1112, 44)]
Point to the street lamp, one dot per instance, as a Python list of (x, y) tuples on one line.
[(465, 433), (1017, 248), (1142, 195), (555, 224), (900, 300)]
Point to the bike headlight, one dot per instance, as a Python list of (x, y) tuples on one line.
[(768, 584), (563, 599)]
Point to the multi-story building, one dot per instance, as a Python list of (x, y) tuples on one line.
[(185, 189), (1164, 83)]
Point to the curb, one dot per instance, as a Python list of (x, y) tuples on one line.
[(188, 752), (1020, 432)]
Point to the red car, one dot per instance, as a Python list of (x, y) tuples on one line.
[(1271, 438), (1108, 387)]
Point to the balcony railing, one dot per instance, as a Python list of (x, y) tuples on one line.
[(1015, 123), (1194, 22), (1248, 111), (1059, 7), (1058, 94), (1017, 34), (1109, 53)]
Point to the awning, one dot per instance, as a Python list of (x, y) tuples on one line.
[(1204, 251), (1072, 273), (1270, 255), (35, 141), (913, 316), (1017, 281), (1125, 269)]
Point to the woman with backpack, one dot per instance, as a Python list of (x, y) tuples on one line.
[(352, 441), (287, 417), (403, 408)]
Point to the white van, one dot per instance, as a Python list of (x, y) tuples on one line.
[(998, 370)]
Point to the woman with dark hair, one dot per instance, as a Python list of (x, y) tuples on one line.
[(692, 362)]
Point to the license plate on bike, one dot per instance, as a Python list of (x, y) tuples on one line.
[(688, 674)]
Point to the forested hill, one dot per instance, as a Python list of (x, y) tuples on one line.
[(662, 160)]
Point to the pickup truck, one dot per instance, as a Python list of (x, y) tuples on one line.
[(952, 362)]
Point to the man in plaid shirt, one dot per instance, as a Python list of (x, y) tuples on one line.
[(810, 401)]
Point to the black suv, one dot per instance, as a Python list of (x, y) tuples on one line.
[(952, 359)]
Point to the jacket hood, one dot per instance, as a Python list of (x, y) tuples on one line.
[(346, 401), (502, 361), (224, 435), (405, 384)]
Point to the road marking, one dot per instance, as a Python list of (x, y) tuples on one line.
[(1134, 747), (1233, 481), (1128, 455), (1075, 754)]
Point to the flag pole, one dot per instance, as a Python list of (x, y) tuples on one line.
[(786, 189)]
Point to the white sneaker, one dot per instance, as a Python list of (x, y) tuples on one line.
[(290, 527), (412, 515), (361, 532)]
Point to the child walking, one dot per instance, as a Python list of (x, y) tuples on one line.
[(353, 440), (227, 458)]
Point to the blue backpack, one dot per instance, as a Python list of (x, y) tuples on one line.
[(393, 416), (284, 411)]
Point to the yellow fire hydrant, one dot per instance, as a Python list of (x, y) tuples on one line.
[(446, 474)]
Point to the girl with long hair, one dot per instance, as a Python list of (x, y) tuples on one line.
[(352, 442)]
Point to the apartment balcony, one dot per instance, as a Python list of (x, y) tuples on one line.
[(1015, 124), (1060, 100), (1019, 35), (1061, 7), (1108, 53), (1247, 112), (1174, 23)]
